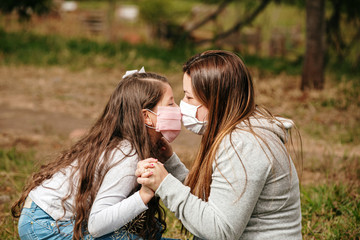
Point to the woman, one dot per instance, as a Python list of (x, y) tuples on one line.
[(90, 190), (243, 183)]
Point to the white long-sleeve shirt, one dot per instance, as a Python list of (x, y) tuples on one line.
[(270, 205), (115, 204)]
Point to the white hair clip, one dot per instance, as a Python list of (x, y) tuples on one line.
[(128, 73)]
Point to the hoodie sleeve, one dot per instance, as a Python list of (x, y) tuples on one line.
[(239, 175), (174, 166)]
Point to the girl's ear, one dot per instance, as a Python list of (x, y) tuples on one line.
[(147, 118)]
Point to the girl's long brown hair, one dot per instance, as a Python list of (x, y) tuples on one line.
[(121, 120), (223, 84)]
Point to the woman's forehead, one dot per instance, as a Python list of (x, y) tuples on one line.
[(187, 83)]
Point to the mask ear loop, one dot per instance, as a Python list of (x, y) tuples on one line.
[(152, 113), (197, 108), (207, 114)]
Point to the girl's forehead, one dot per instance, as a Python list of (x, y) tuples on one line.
[(167, 87), (168, 93)]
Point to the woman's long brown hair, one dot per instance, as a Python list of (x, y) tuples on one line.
[(121, 120), (223, 84)]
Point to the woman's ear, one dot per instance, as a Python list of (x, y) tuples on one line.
[(147, 118)]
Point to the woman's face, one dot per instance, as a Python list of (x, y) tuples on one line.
[(151, 119), (189, 97)]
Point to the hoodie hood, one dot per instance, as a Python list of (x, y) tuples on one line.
[(279, 126)]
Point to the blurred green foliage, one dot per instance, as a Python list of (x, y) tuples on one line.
[(26, 8), (275, 65), (78, 53), (29, 48), (166, 19), (157, 11)]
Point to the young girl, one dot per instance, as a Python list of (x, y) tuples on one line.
[(90, 190), (243, 183)]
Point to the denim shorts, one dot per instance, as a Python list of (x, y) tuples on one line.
[(36, 224)]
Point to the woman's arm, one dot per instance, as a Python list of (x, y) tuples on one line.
[(174, 166), (170, 160), (227, 212)]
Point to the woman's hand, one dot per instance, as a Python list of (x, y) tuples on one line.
[(154, 176), (165, 150)]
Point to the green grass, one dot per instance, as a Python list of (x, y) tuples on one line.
[(274, 65), (15, 168), (30, 49), (335, 113), (26, 48), (329, 211), (339, 133)]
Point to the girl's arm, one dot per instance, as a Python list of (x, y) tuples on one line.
[(115, 203)]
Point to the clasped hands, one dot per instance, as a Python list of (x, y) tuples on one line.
[(151, 172)]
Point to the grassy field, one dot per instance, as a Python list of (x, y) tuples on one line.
[(52, 85), (330, 210)]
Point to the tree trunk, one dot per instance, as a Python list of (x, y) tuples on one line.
[(110, 20), (313, 68)]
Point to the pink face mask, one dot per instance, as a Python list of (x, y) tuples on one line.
[(168, 122)]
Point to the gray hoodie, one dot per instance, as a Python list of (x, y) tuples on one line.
[(269, 207)]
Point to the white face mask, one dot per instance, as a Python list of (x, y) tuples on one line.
[(189, 119)]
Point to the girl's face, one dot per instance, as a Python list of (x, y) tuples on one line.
[(151, 119), (189, 97)]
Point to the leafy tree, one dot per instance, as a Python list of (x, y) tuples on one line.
[(260, 5), (331, 28), (347, 11), (161, 16), (25, 8)]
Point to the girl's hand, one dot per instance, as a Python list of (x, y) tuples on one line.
[(165, 150), (146, 194), (145, 166), (154, 177)]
